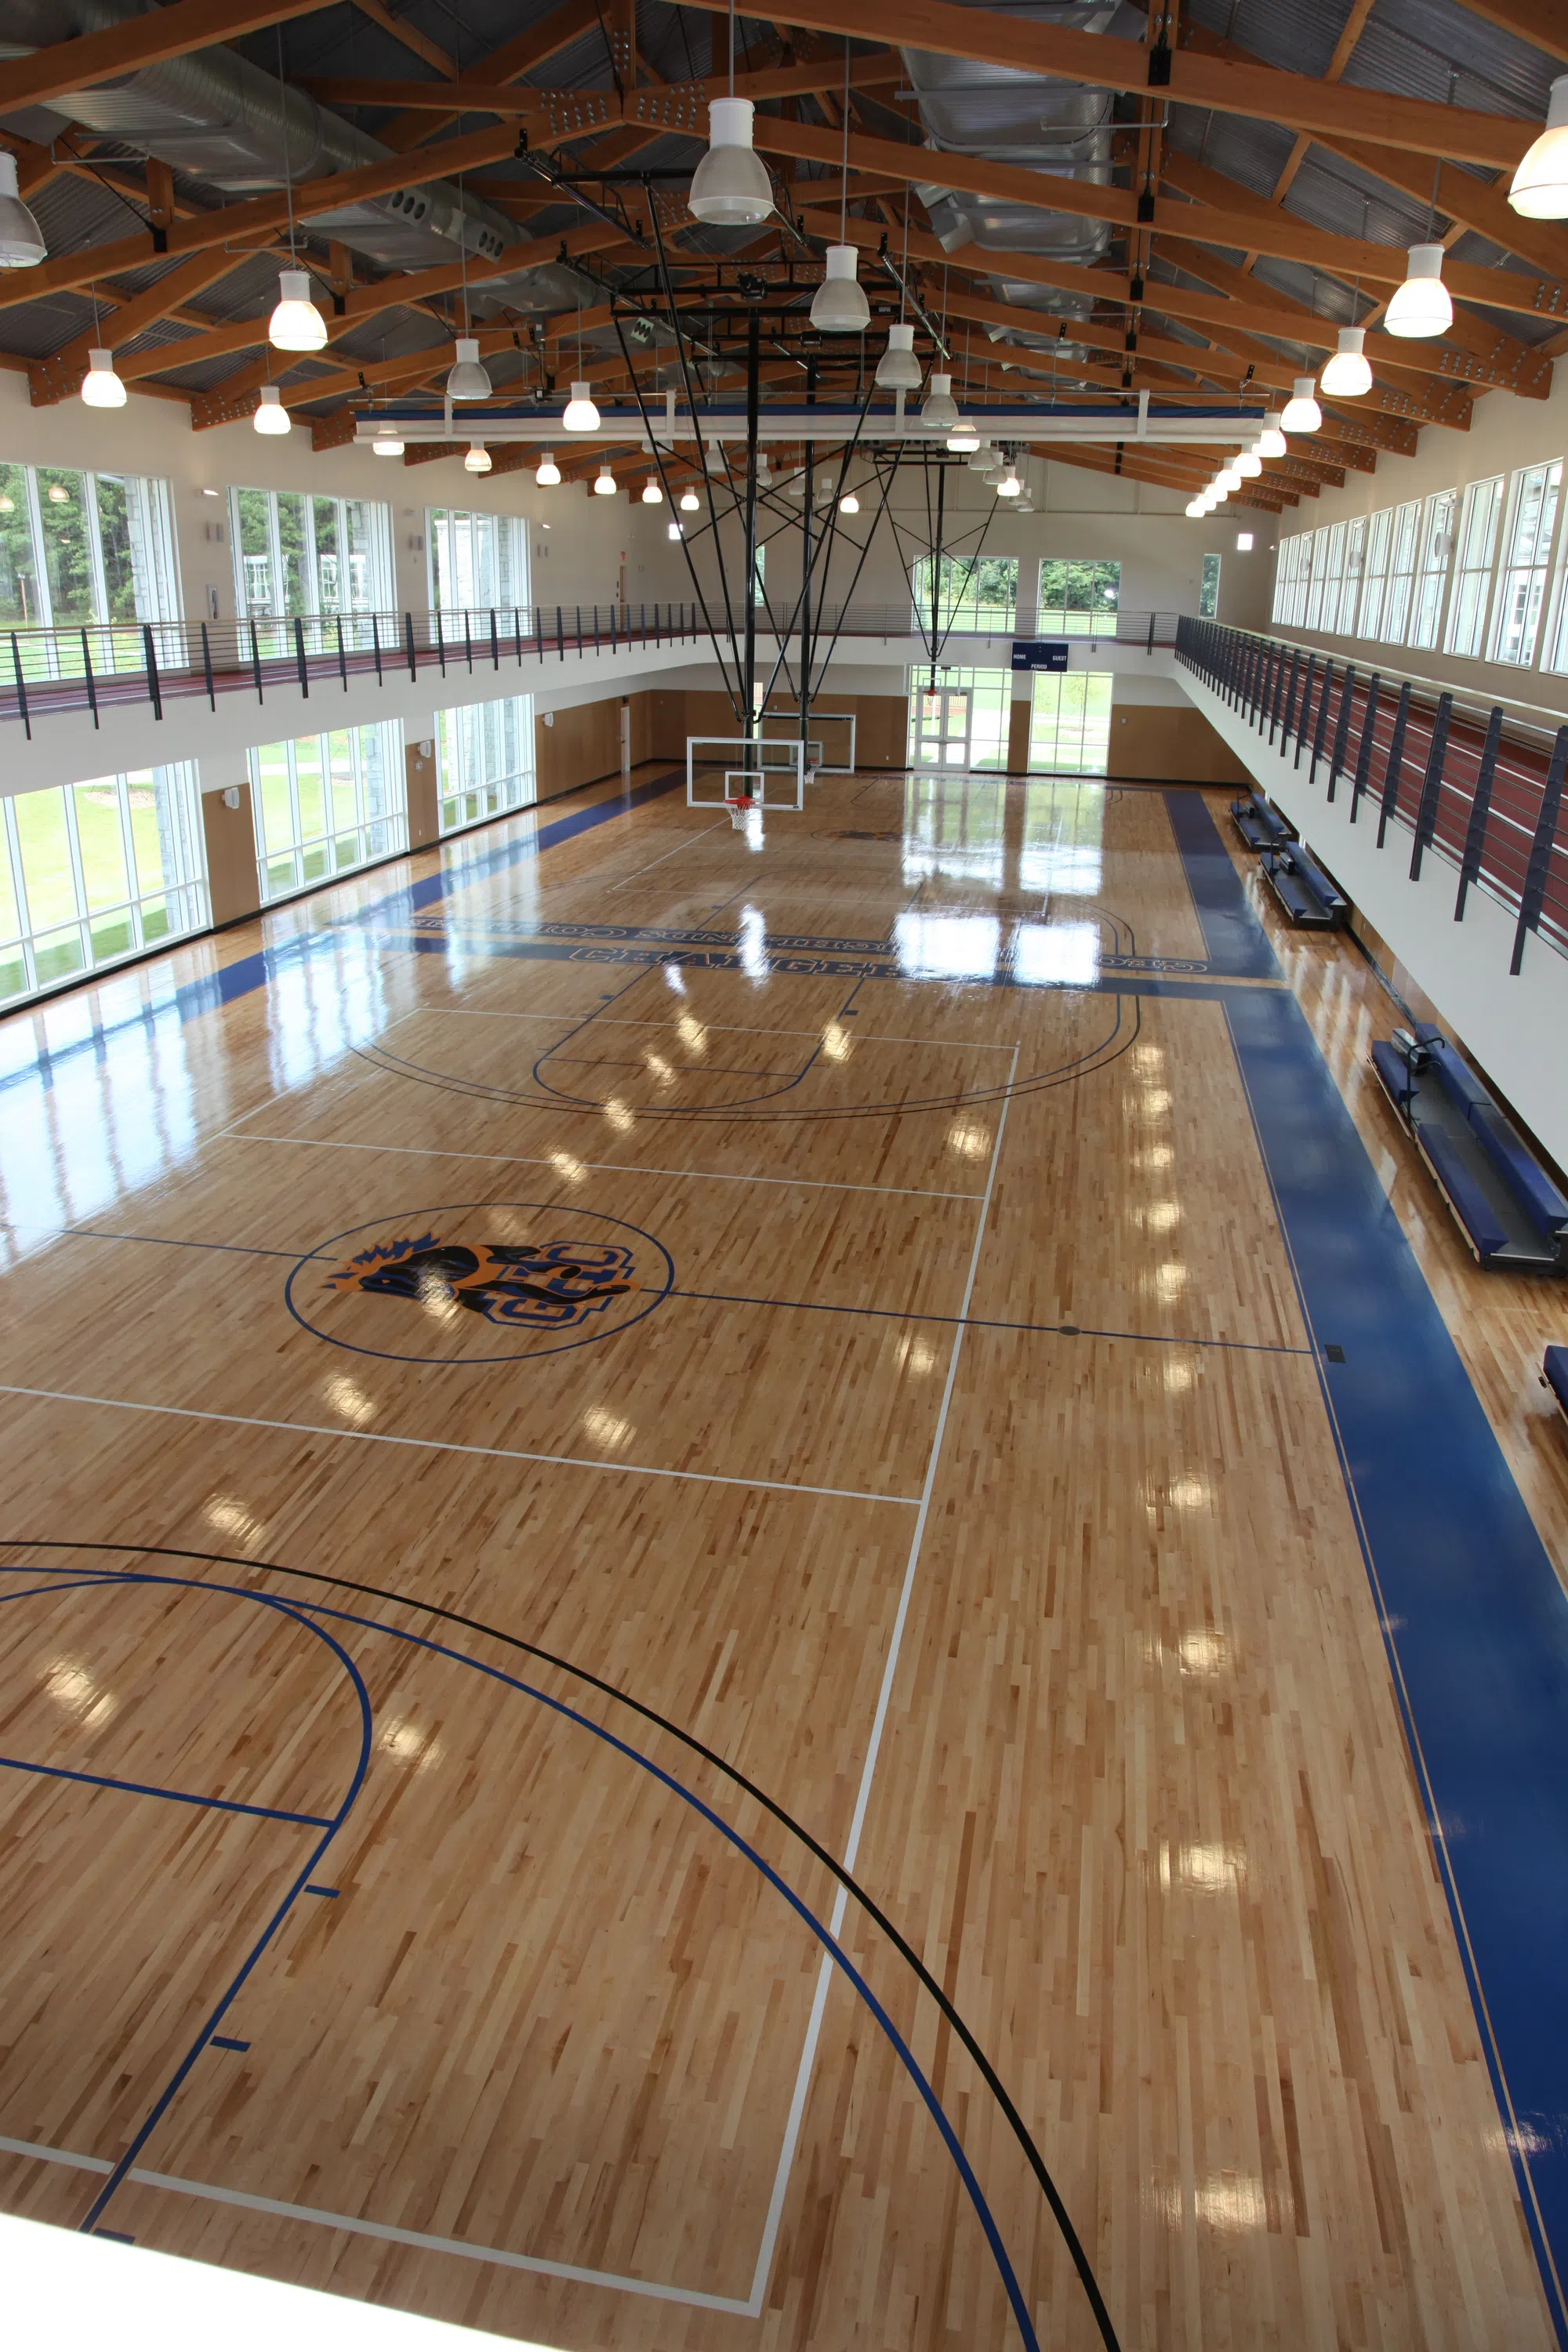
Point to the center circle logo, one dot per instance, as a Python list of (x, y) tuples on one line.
[(478, 1282)]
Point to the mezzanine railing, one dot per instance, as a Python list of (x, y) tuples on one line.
[(1478, 790), (151, 663)]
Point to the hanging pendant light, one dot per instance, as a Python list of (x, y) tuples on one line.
[(839, 306), (1271, 442), (22, 243), (548, 473), (101, 387), (675, 531), (605, 487), (387, 445), (1540, 187), (849, 503), (1302, 414), (962, 440), (296, 324), (478, 460), (1246, 464), (996, 474), (1227, 479), (1349, 372), (466, 379), (271, 417), (731, 188), (940, 413), (1423, 305), (581, 416), (897, 370), (652, 496), (689, 500), (1195, 508), (1026, 502), (1009, 486)]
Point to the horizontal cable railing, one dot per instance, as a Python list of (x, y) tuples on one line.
[(105, 665), (1438, 773)]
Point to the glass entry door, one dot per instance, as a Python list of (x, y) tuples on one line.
[(942, 737)]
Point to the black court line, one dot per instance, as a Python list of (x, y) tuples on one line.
[(991, 1323)]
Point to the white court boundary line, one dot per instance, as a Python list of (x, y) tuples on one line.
[(688, 841), (444, 1445), (692, 2297), (605, 1167)]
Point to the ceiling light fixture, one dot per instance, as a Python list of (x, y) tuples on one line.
[(1302, 414), (849, 503), (1538, 190), (1195, 507), (1270, 442), (1423, 305), (605, 487), (296, 324), (22, 243), (101, 387), (478, 460), (466, 379), (387, 445), (1349, 372), (940, 413), (962, 440), (547, 474), (897, 370), (731, 188), (1246, 465), (839, 306), (271, 417), (581, 416), (652, 496), (1009, 486), (689, 502)]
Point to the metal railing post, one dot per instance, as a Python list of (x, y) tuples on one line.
[(560, 636), (409, 635), (150, 652), (92, 684), (1341, 730), (1363, 749), (1288, 728), (300, 658), (1321, 728), (1480, 807), (468, 639), (376, 645), (343, 658), (1391, 775), (206, 670), (495, 642), (255, 661), (21, 686), (1431, 783), (1533, 896), (440, 642)]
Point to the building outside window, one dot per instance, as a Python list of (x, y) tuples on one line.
[(479, 562), (94, 872), (1078, 598), (325, 803), (1403, 537), (319, 558), (978, 594), (93, 551), (1374, 578), (1069, 721), (1208, 589), (1479, 518), (1434, 547), (1526, 552), (485, 754)]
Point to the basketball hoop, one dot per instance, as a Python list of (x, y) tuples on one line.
[(739, 809)]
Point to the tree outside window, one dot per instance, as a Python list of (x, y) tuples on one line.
[(1079, 597), (1208, 589), (972, 593)]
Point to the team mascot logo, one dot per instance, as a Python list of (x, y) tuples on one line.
[(549, 1286)]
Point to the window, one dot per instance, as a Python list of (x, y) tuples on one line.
[(758, 591), (1434, 546), (92, 873), (1078, 599), (84, 551), (1208, 588), (1319, 561), (1355, 563), (1069, 721), (326, 804), (485, 754), (978, 592), (1374, 578), (1291, 581), (1333, 575), (1526, 550), (297, 553), (967, 726), (1478, 518), (1402, 542), (479, 562)]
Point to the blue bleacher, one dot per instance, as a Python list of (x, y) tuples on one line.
[(1260, 827), (1554, 1376), (1303, 889), (1508, 1208)]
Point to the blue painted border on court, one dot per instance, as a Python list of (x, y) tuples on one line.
[(1237, 942)]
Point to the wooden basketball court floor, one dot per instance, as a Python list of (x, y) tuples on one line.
[(665, 1490)]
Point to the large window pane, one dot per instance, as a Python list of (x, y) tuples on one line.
[(19, 602), (309, 556), (1473, 567), (1069, 721), (978, 592), (70, 900), (1078, 597), (44, 838), (485, 760), (326, 804), (1434, 550), (64, 519), (1527, 548), (100, 840), (479, 562)]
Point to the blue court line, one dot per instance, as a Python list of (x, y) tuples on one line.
[(993, 1323), (227, 2042), (304, 1611), (1237, 942), (1474, 1620), (193, 999), (149, 1789)]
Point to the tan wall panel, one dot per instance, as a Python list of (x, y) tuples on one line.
[(424, 794), (1164, 742), (1018, 739), (881, 729), (579, 746), (232, 877)]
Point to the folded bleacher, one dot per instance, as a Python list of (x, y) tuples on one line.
[(1508, 1208), (1260, 827), (1302, 888), (1554, 1376)]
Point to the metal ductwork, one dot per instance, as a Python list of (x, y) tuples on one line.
[(1037, 120), (220, 120)]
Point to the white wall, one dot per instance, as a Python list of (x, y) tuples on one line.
[(1513, 1026)]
